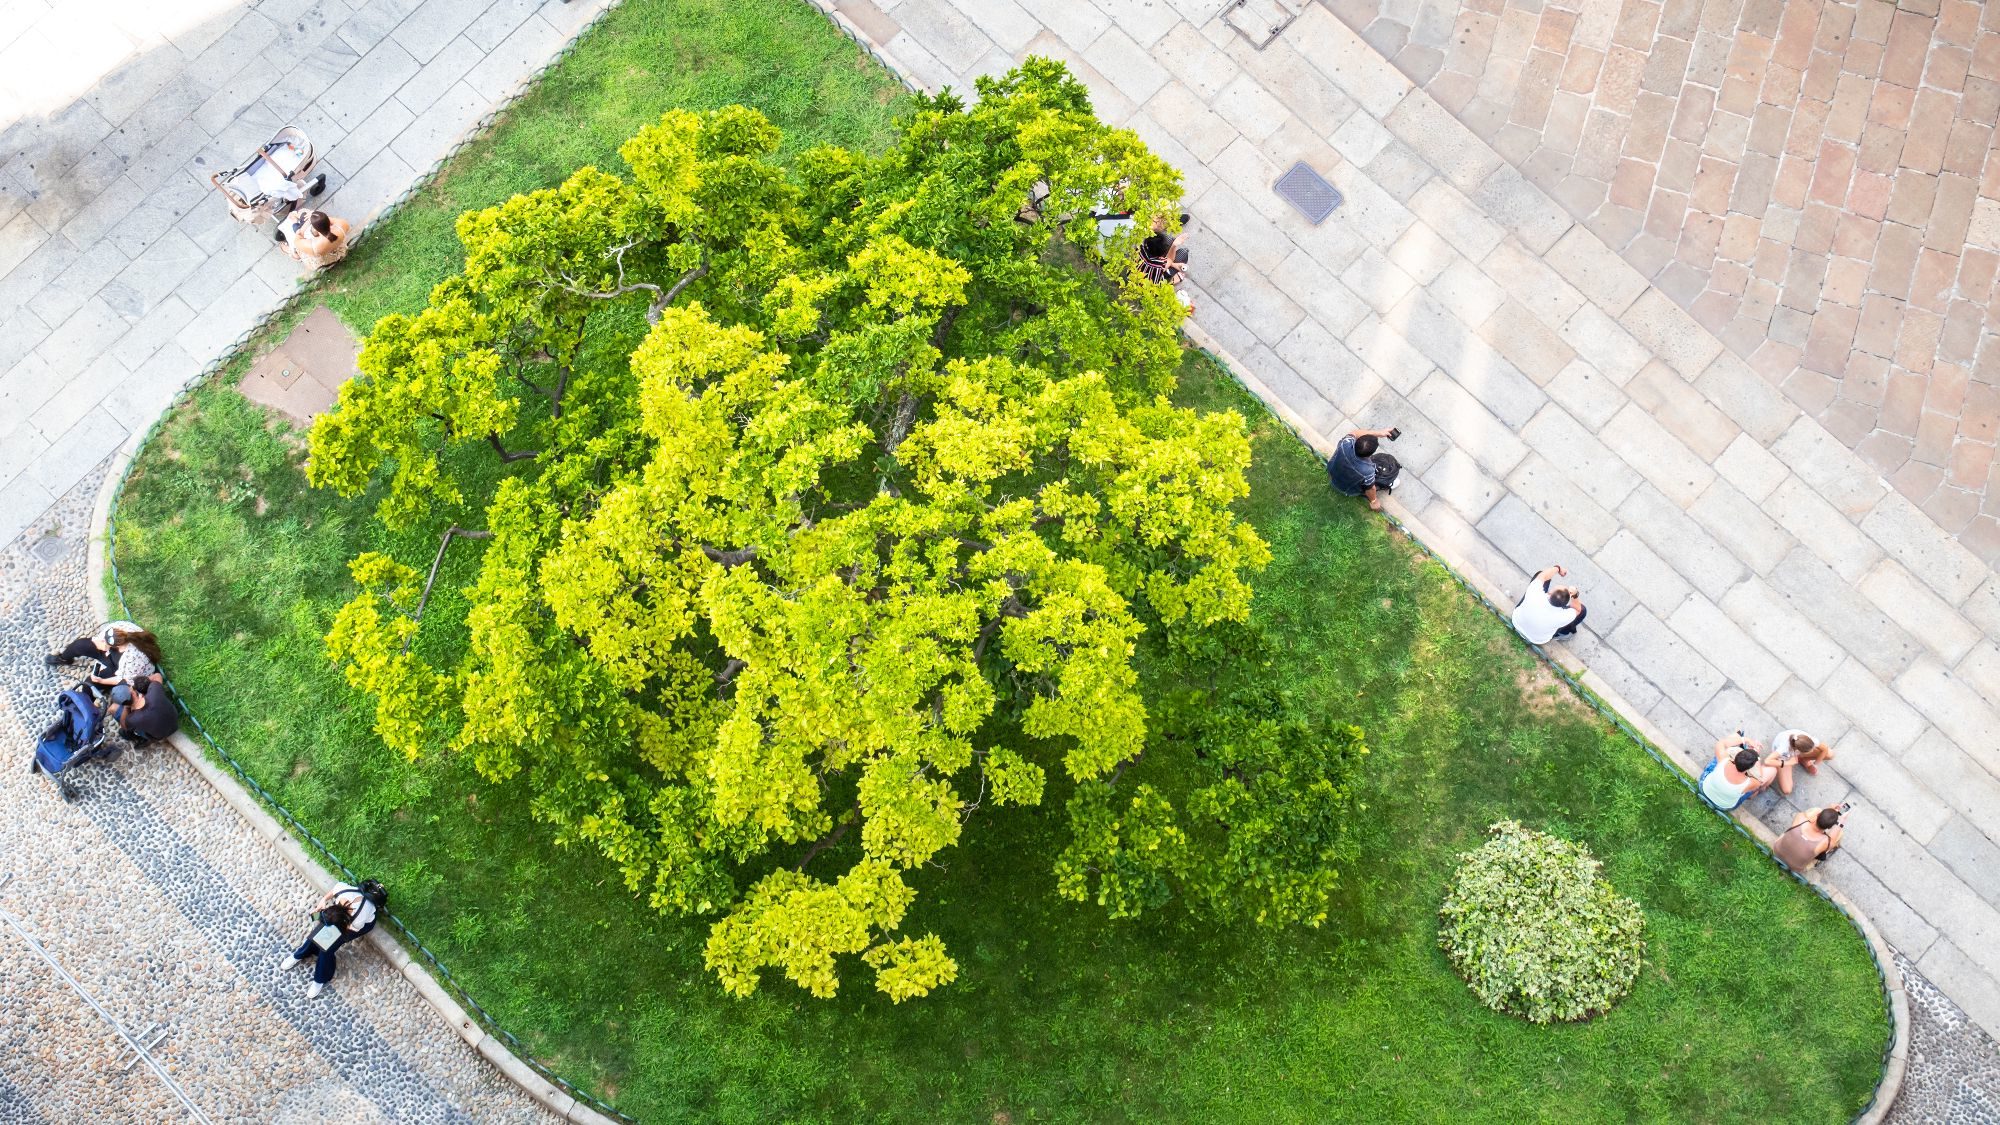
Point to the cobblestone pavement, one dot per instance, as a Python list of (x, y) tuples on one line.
[(1813, 180), (121, 272), (1954, 1070), (171, 910), (121, 277), (1743, 566)]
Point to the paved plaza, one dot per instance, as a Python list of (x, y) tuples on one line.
[(121, 272), (1744, 565), (121, 278), (1811, 180), (1691, 297)]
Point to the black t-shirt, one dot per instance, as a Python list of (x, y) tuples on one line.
[(157, 718)]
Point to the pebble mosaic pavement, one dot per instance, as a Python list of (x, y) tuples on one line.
[(170, 909)]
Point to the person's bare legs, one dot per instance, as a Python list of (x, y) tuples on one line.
[(1785, 779)]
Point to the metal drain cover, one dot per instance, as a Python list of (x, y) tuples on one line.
[(1308, 191), (50, 549), (1261, 21)]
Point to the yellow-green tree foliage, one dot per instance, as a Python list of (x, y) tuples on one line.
[(832, 494)]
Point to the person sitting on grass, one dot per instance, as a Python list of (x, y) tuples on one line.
[(1813, 836), (1548, 611), (1736, 772), (1353, 470), (1805, 750)]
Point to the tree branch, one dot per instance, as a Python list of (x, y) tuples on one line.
[(831, 838), (944, 326), (450, 533), (899, 426), (729, 558), (667, 298), (985, 636), (507, 458), (729, 672)]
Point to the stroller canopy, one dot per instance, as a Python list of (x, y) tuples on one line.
[(79, 722)]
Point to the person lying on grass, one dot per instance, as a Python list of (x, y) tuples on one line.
[(1736, 772)]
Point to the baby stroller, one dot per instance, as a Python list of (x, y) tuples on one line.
[(273, 181), (80, 734)]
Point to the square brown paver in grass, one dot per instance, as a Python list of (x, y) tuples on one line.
[(301, 377)]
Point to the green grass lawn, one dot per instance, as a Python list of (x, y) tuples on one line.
[(1058, 1014)]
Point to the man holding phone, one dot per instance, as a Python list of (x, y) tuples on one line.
[(1354, 470)]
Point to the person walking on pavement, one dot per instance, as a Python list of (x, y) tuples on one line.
[(343, 914)]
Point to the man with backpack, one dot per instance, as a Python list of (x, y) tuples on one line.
[(1357, 469), (343, 914)]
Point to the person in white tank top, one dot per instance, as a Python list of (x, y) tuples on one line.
[(1736, 772)]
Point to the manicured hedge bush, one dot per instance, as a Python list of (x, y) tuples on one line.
[(1536, 933)]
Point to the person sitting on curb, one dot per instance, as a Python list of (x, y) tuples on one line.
[(118, 650), (345, 913), (314, 238), (1548, 611), (1813, 836), (1353, 469), (143, 709), (1805, 750), (1736, 772), (1163, 258)]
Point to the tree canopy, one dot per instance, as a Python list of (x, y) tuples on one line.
[(828, 494)]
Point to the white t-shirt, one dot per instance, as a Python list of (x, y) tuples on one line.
[(354, 900), (1783, 740), (1537, 620)]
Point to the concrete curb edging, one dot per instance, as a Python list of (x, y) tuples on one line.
[(1897, 1057), (544, 1092)]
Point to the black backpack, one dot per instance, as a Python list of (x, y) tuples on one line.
[(1386, 470)]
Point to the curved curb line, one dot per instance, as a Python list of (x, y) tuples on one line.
[(1896, 1060), (543, 1092)]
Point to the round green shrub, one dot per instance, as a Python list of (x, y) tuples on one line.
[(1533, 929)]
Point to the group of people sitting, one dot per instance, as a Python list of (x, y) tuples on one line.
[(1741, 768), (1551, 611), (122, 672), (123, 675)]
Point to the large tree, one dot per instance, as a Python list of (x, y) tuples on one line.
[(834, 494)]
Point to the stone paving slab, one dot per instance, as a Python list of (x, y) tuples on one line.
[(1744, 565), (113, 246), (1815, 182)]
